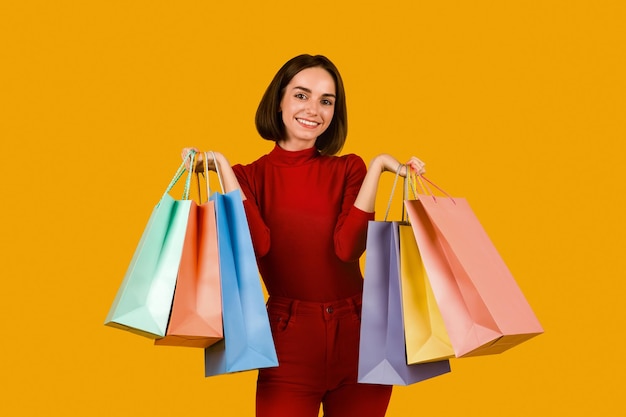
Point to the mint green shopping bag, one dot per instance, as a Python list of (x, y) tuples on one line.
[(144, 300)]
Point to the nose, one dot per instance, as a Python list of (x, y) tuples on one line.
[(311, 107)]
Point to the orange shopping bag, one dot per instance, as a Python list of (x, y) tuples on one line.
[(196, 317), (483, 308)]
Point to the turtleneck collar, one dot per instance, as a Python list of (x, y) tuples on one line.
[(280, 156)]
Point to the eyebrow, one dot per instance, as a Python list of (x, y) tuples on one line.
[(307, 90)]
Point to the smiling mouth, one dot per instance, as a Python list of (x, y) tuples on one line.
[(307, 123)]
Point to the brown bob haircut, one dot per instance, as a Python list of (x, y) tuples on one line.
[(269, 121)]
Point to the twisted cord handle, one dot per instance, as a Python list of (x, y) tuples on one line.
[(179, 173), (393, 189)]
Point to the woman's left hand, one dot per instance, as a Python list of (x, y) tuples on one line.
[(416, 165), (389, 163), (366, 198)]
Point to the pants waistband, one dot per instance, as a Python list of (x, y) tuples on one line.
[(350, 306)]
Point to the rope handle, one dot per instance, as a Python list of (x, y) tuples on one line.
[(189, 174), (423, 182), (411, 181), (205, 175), (179, 173), (217, 169), (393, 189)]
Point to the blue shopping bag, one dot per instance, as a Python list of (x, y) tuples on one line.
[(248, 342), (143, 302)]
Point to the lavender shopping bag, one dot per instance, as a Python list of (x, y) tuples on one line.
[(382, 351)]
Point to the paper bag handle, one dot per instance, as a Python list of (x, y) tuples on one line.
[(217, 169), (393, 189), (423, 182), (179, 173), (206, 175)]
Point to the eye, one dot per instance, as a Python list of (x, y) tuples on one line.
[(327, 102), (300, 96)]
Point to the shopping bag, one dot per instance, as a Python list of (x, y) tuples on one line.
[(144, 299), (426, 335), (196, 317), (248, 342), (382, 348), (483, 308)]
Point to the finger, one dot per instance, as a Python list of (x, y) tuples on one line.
[(417, 165), (185, 151)]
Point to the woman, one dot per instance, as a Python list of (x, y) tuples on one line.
[(308, 213)]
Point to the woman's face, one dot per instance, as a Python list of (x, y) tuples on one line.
[(307, 107)]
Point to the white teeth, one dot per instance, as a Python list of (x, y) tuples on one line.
[(306, 122)]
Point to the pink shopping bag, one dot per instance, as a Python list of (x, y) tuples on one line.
[(483, 308)]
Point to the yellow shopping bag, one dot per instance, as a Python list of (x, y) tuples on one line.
[(425, 331)]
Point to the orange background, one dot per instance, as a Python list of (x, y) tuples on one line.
[(517, 106)]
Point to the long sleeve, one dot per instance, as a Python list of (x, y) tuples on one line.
[(259, 231), (351, 230)]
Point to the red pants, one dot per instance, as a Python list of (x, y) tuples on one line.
[(318, 348)]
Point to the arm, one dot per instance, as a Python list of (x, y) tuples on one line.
[(359, 202), (366, 199)]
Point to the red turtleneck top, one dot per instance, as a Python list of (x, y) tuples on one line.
[(307, 233)]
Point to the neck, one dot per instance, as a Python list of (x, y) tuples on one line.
[(294, 145)]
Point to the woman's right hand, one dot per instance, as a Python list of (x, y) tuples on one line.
[(213, 159), (199, 167), (199, 159)]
